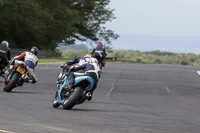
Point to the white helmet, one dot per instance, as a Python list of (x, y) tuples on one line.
[(87, 60), (81, 62), (87, 56), (5, 42), (93, 60)]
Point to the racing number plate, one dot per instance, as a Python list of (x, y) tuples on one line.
[(21, 70)]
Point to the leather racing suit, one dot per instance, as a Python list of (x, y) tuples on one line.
[(31, 61)]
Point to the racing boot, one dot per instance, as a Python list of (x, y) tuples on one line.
[(89, 96)]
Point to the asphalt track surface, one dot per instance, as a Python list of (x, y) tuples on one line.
[(130, 98)]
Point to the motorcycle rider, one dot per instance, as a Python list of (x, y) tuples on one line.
[(31, 60), (100, 53), (86, 58), (91, 69), (5, 53), (79, 60)]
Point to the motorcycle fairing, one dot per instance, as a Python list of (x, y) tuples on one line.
[(88, 78), (77, 80)]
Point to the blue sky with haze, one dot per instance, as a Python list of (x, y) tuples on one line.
[(157, 18)]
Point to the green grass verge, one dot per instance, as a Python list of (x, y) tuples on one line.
[(126, 61), (64, 60), (42, 60)]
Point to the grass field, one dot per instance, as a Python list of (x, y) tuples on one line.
[(52, 60), (64, 60)]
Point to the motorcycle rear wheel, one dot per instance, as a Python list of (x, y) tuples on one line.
[(12, 83), (73, 98)]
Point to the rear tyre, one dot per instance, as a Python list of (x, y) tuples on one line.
[(9, 85), (55, 102), (73, 98)]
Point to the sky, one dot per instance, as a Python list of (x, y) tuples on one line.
[(155, 18)]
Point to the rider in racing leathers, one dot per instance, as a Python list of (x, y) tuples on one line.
[(100, 53), (86, 58), (5, 53), (31, 60), (87, 69), (79, 61)]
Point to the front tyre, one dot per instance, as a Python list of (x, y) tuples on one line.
[(12, 82), (55, 102), (73, 98)]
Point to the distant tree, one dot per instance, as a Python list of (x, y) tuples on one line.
[(23, 23), (1, 2), (191, 58), (44, 23), (157, 61), (184, 63), (157, 52), (139, 60)]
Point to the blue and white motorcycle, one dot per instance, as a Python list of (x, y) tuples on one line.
[(77, 94)]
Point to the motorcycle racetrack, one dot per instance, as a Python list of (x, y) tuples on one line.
[(130, 98)]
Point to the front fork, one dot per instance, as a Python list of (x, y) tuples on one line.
[(10, 73)]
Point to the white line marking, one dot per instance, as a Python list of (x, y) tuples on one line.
[(3, 131), (198, 72), (167, 89), (113, 87), (108, 94)]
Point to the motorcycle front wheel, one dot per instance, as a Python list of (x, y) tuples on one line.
[(55, 102), (9, 85)]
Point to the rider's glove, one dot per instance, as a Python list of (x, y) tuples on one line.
[(62, 65), (12, 62), (73, 68)]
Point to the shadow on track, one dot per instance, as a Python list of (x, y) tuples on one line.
[(85, 110), (20, 92), (93, 110)]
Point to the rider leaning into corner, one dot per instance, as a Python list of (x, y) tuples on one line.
[(31, 60), (5, 53), (79, 61), (86, 58), (100, 53), (84, 68)]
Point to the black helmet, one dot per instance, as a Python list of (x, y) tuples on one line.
[(6, 43), (34, 50)]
